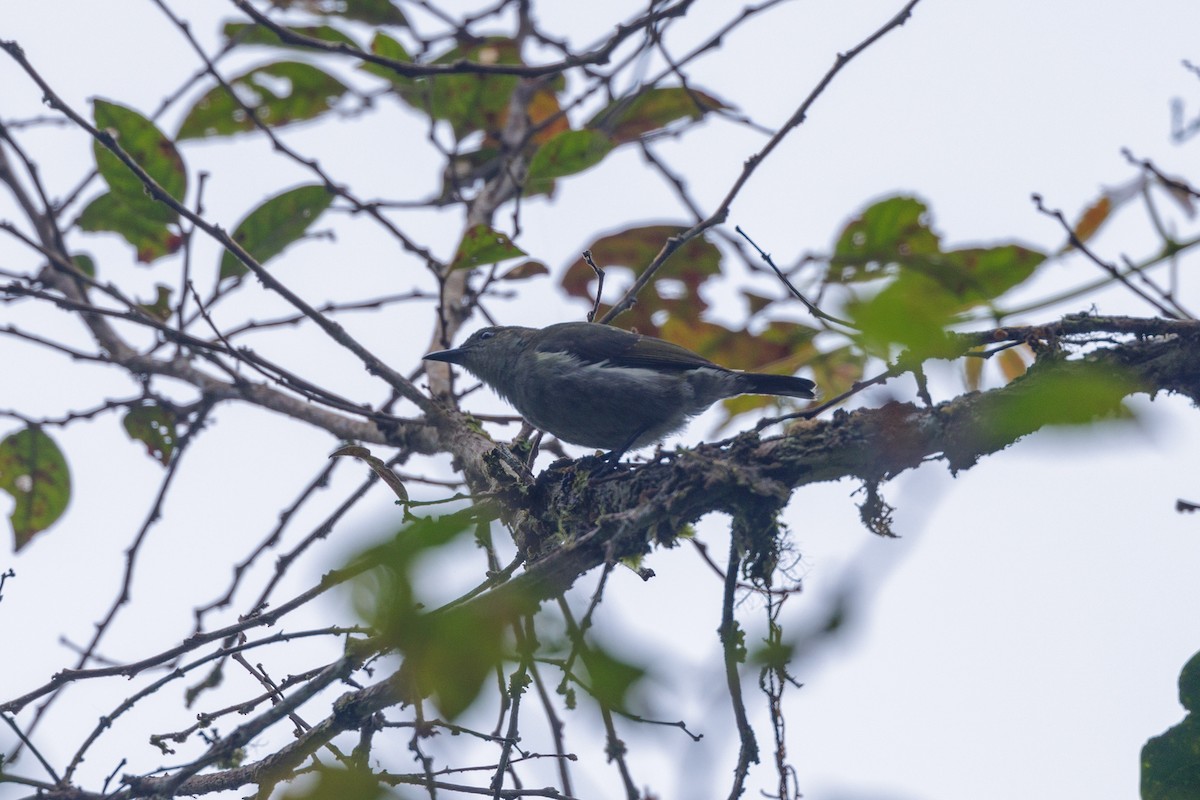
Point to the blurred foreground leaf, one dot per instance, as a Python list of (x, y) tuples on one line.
[(339, 784), (1171, 761), (925, 289), (611, 679), (448, 654)]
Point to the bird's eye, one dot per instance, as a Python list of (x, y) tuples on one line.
[(483, 335)]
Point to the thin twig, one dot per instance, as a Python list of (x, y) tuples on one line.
[(587, 257), (721, 212)]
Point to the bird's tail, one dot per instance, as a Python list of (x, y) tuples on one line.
[(790, 385)]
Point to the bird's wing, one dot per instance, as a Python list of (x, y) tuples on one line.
[(647, 351), (618, 347)]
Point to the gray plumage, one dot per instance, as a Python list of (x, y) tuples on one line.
[(599, 386)]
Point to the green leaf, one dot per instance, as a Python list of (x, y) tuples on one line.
[(155, 427), (151, 238), (449, 654), (1170, 765), (1189, 684), (1171, 761), (926, 288), (887, 233), (1059, 393), (340, 784), (373, 12), (385, 596), (85, 263), (280, 93), (152, 151), (975, 276), (386, 46), (651, 110), (469, 102), (160, 307), (912, 314), (482, 245), (773, 655), (275, 224), (251, 33), (929, 293), (610, 678), (567, 153), (34, 471)]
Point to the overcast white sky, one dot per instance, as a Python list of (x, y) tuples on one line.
[(1024, 636)]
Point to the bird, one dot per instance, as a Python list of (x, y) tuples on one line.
[(603, 387)]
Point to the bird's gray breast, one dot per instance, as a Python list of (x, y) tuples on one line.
[(602, 405)]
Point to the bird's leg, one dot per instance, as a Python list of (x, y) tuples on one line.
[(613, 457)]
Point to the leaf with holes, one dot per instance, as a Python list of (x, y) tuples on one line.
[(884, 236), (155, 427), (34, 471), (372, 12), (251, 33), (279, 93)]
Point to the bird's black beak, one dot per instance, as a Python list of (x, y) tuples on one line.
[(452, 356)]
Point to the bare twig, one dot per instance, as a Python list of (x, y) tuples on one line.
[(721, 212), (587, 257)]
